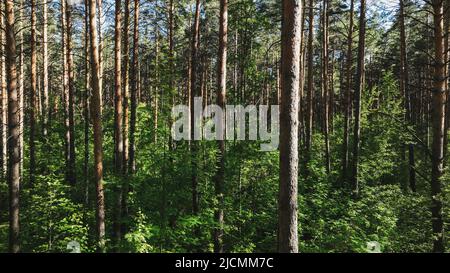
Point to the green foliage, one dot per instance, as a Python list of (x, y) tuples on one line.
[(333, 222), (383, 133), (52, 219), (159, 204)]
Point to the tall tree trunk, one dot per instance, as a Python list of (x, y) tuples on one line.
[(310, 94), (21, 85), (301, 95), (428, 84), (360, 83), (325, 82), (87, 88), (45, 67), (163, 207), (194, 93), (348, 94), (65, 87), (438, 117), (171, 65), (221, 102), (235, 61), (331, 92), (156, 92), (33, 94), (13, 129), (134, 89), (404, 90), (118, 134), (97, 121), (126, 96), (128, 159), (71, 178), (171, 47), (100, 49), (38, 93), (118, 119), (290, 64), (447, 69), (4, 100)]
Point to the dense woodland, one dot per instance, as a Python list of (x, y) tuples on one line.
[(87, 154)]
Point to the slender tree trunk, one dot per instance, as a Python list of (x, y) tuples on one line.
[(325, 82), (33, 94), (157, 82), (129, 128), (438, 117), (447, 69), (21, 93), (70, 96), (45, 67), (4, 100), (404, 90), (360, 83), (194, 93), (202, 80), (97, 121), (331, 92), (171, 44), (118, 119), (303, 51), (163, 208), (348, 94), (171, 65), (188, 85), (290, 63), (13, 129), (235, 66), (134, 89), (221, 102), (310, 94), (100, 49), (126, 98), (65, 87), (86, 103), (38, 94), (428, 84), (118, 135)]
